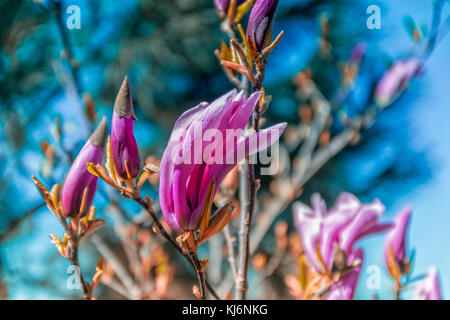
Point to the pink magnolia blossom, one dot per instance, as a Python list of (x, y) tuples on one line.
[(340, 227), (395, 79), (193, 159), (344, 224), (428, 288)]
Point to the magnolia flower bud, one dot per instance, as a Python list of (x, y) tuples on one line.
[(79, 179), (223, 5), (395, 79), (429, 287), (260, 23), (344, 224), (124, 148), (396, 240)]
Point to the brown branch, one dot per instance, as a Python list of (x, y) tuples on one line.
[(166, 235), (200, 274), (231, 255), (73, 243), (249, 170)]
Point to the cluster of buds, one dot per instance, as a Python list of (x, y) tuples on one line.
[(248, 57)]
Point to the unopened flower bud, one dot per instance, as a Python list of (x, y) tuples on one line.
[(260, 23), (124, 147), (79, 179)]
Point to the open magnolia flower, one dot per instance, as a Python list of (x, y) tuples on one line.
[(320, 229), (206, 143), (328, 238)]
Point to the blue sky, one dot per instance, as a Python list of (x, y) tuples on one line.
[(428, 117)]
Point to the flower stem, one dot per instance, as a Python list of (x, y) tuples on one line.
[(73, 241), (200, 275), (194, 263)]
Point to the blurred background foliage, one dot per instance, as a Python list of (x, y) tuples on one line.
[(166, 50)]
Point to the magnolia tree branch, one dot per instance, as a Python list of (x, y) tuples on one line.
[(231, 254), (173, 243), (74, 261), (67, 45), (245, 191), (214, 269), (200, 275), (73, 242)]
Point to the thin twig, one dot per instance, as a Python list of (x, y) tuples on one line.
[(200, 275), (272, 266), (73, 243), (250, 186), (166, 235), (245, 202), (230, 245)]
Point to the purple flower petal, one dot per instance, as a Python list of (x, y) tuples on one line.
[(78, 178), (197, 153), (260, 22), (396, 238), (395, 78)]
